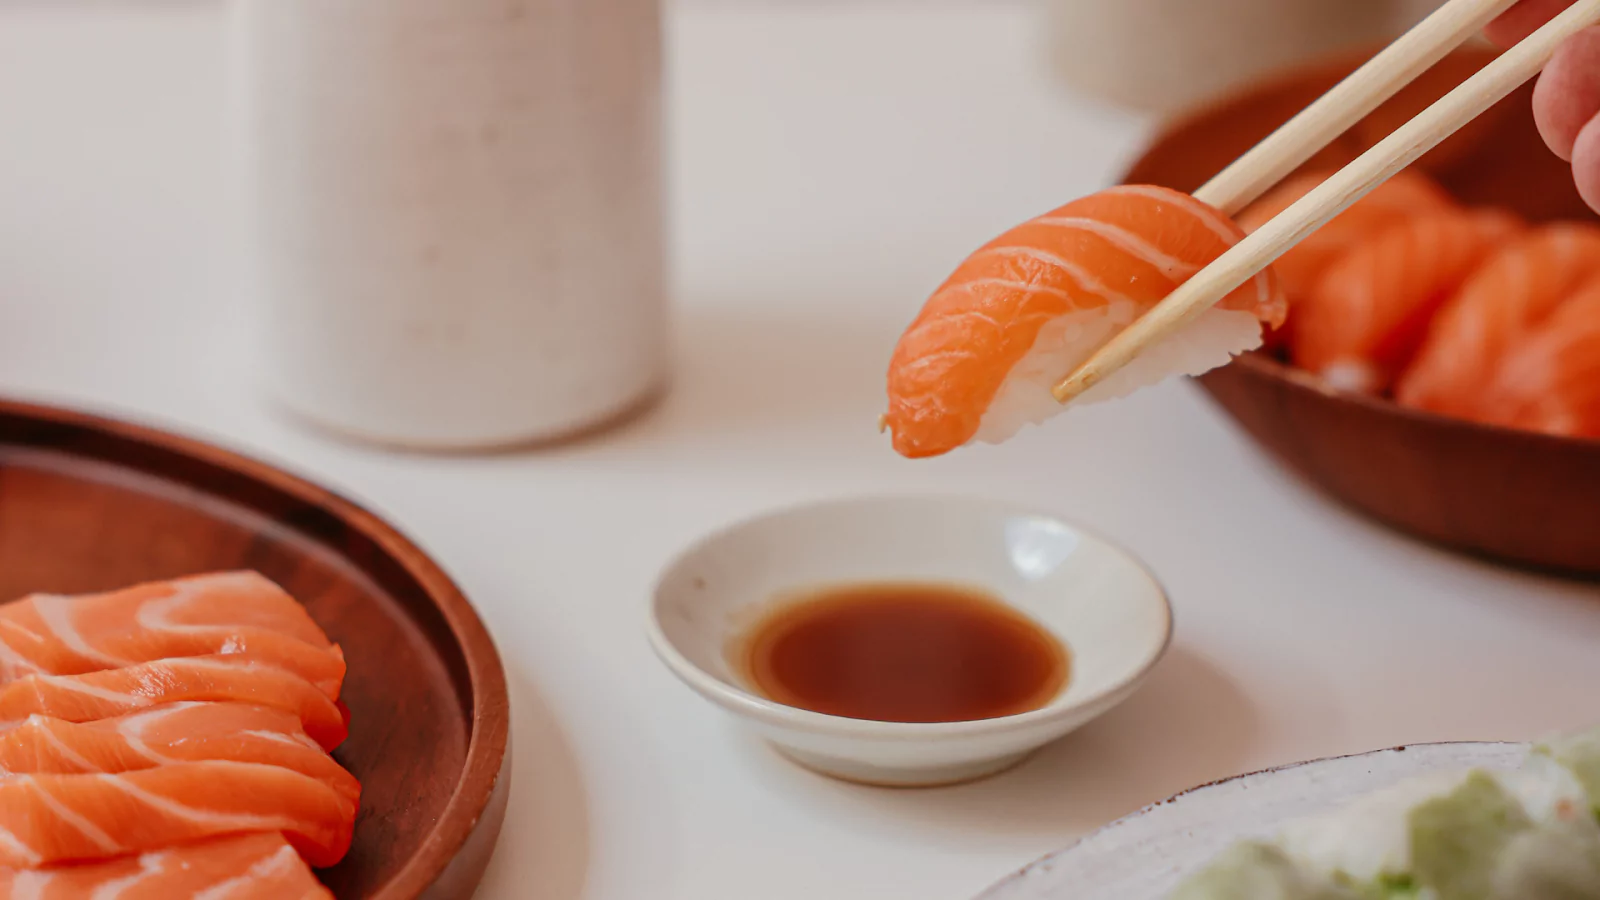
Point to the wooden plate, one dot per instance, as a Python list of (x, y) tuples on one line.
[(1146, 855), (1523, 498), (90, 504)]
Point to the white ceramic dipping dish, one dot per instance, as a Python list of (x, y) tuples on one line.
[(1097, 599)]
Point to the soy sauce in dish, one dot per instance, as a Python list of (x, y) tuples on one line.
[(903, 652)]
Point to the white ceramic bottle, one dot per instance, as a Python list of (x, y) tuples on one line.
[(453, 212)]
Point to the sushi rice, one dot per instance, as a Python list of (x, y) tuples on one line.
[(1527, 834)]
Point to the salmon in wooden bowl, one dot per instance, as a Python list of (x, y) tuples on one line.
[(1439, 367), (217, 679)]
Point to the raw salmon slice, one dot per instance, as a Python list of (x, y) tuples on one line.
[(1409, 193), (1520, 285), (229, 678), (1022, 310), (48, 819), (248, 867), (1549, 380), (230, 612), (174, 733), (1367, 314)]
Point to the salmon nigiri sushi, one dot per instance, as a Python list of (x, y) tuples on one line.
[(1512, 293), (1019, 314), (1367, 315), (1549, 380), (247, 867)]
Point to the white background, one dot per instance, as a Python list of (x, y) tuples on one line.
[(829, 165)]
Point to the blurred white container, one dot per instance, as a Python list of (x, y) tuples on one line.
[(1161, 56), (454, 212)]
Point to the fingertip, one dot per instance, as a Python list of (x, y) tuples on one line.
[(1567, 95), (1586, 163)]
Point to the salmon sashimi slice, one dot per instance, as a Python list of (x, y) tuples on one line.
[(247, 867), (173, 733), (229, 678), (1549, 380), (1409, 193), (1367, 315), (49, 819), (979, 360), (1511, 294), (229, 612)]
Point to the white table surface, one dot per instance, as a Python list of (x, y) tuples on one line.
[(830, 165)]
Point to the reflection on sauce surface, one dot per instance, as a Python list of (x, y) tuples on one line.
[(903, 652)]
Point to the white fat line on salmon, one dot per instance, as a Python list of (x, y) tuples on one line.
[(279, 738), (11, 844), (201, 662), (1008, 283), (982, 315), (230, 821), (30, 884), (39, 726), (1218, 224), (275, 864), (926, 361), (16, 665), (152, 613), (132, 730), (150, 865), (1082, 276), (74, 684), (72, 817), (56, 613), (1126, 241)]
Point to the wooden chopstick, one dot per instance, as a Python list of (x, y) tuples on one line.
[(1243, 260), (1361, 92)]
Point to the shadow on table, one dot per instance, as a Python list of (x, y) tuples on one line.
[(1188, 725), (543, 852)]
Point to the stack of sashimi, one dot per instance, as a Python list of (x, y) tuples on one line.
[(1528, 834), (1467, 312), (170, 740), (1464, 312)]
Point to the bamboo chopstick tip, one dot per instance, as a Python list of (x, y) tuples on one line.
[(1069, 388)]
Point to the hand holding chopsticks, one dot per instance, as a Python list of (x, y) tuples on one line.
[(1320, 123)]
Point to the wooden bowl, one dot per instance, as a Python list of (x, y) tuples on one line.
[(90, 504), (1518, 497)]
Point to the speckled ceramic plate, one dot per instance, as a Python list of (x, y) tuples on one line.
[(1145, 855)]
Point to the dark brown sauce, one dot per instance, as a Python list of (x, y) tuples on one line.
[(903, 652)]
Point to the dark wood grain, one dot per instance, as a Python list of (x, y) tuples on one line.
[(1523, 498), (90, 504)]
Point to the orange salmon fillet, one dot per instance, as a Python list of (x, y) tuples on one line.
[(230, 612), (1366, 316), (173, 733), (248, 867), (232, 678), (1510, 295), (1128, 245), (1549, 380), (48, 819)]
